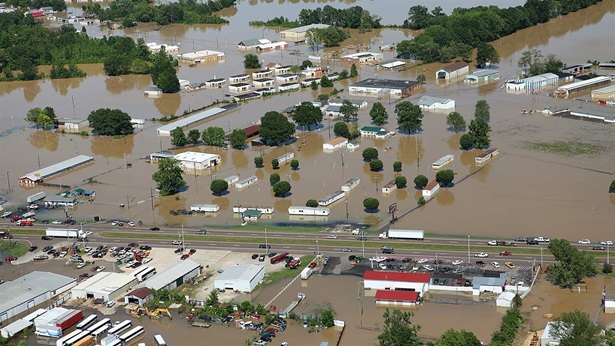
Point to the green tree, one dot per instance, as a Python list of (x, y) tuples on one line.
[(421, 78), (281, 188), (370, 153), (378, 114), (212, 298), (306, 114), (218, 186), (575, 328), (458, 338), (213, 136), (421, 181), (445, 177), (607, 268), (168, 82), (314, 85), (34, 116), (371, 203), (479, 129), (44, 122), (238, 139), (169, 176), (305, 64), (327, 317), (178, 137), (409, 117), (251, 61), (466, 141), (275, 128), (193, 136), (612, 187), (294, 164), (247, 307), (116, 65), (401, 181), (353, 71), (375, 165), (341, 129), (325, 82), (258, 161), (397, 166), (274, 178), (486, 54), (348, 111), (421, 201), (481, 110), (398, 330), (572, 265), (275, 164), (110, 122), (311, 203), (455, 122)]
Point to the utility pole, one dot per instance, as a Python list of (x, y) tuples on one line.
[(151, 195), (346, 207), (468, 249)]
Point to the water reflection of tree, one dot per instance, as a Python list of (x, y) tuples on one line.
[(223, 202), (483, 175), (168, 104), (372, 218), (31, 90), (239, 159), (445, 198), (312, 146), (118, 85), (260, 174), (283, 203), (45, 140), (295, 176), (166, 203), (453, 141), (467, 157), (110, 147), (406, 152), (402, 194), (61, 86)]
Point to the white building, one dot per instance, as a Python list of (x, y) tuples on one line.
[(242, 278), (389, 187), (453, 70), (443, 161), (331, 198), (431, 103), (488, 284), (262, 74), (549, 337), (351, 184), (263, 83), (286, 78), (505, 300), (378, 280), (31, 290), (155, 48), (482, 76), (289, 86), (252, 43), (239, 88), (73, 124), (191, 161), (104, 285), (140, 296), (298, 34), (215, 83), (383, 88), (430, 190), (240, 78), (202, 56), (363, 58), (533, 83), (335, 144), (174, 276), (189, 121)]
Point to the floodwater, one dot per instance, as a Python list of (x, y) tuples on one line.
[(522, 192)]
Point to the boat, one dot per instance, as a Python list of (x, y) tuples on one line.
[(301, 296), (6, 214), (28, 214), (200, 324)]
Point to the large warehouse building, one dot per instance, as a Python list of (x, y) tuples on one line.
[(174, 276), (105, 285), (377, 280), (242, 278), (31, 290)]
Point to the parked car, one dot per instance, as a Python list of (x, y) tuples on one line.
[(133, 245), (481, 255), (532, 242), (131, 224), (192, 251), (201, 232), (254, 256), (480, 263), (362, 238), (608, 242), (505, 253), (585, 241), (46, 237), (147, 260), (41, 257), (56, 222), (10, 259), (100, 268), (510, 265), (155, 229), (521, 239), (184, 256), (495, 264), (47, 248), (264, 246), (261, 258), (492, 243), (33, 248), (272, 254), (428, 267)]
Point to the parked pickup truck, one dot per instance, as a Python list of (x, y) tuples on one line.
[(541, 239)]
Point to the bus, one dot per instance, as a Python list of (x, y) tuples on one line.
[(146, 274), (72, 341), (131, 334), (87, 341), (60, 341), (116, 342), (99, 332), (103, 322), (140, 270), (159, 340), (118, 328), (87, 322)]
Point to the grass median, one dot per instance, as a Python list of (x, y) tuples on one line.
[(14, 248)]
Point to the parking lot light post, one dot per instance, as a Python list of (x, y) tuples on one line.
[(541, 258), (607, 253), (468, 249)]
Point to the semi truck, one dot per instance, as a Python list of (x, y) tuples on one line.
[(403, 234), (66, 233)]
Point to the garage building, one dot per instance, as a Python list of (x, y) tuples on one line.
[(30, 291), (174, 276), (377, 280), (105, 285), (453, 71), (242, 278), (139, 296)]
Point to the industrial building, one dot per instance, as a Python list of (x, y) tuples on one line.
[(377, 280), (298, 34), (242, 278), (383, 88), (453, 70), (40, 175), (363, 58), (568, 89), (104, 285), (139, 296), (53, 322), (335, 144), (174, 276), (73, 124), (431, 103), (188, 121), (191, 161), (607, 93), (31, 290), (482, 76), (532, 83), (201, 57)]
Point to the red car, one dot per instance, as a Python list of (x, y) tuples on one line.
[(15, 218), (184, 256), (133, 245), (505, 253), (192, 251), (10, 259)]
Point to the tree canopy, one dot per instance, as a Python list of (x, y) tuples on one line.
[(378, 114), (213, 136), (572, 265), (294, 164), (110, 122), (458, 338), (178, 137), (482, 110), (251, 61), (281, 188), (533, 63), (398, 330), (274, 178), (612, 187), (371, 203), (397, 166), (409, 117), (44, 118), (258, 161), (238, 139), (445, 177), (486, 54), (401, 181), (341, 129), (421, 181), (375, 165), (311, 203), (193, 136), (575, 328), (218, 186), (169, 176), (456, 122), (275, 128), (370, 153), (479, 130), (348, 111), (466, 141), (306, 114)]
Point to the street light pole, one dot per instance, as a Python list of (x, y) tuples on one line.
[(607, 254), (266, 244), (468, 249), (541, 257), (317, 248)]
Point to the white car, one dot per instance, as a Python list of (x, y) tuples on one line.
[(495, 264), (88, 249), (382, 266), (101, 268), (608, 242), (422, 260), (110, 303), (428, 267), (331, 236), (457, 262), (176, 242), (492, 243), (63, 254), (80, 265), (56, 222), (147, 260), (584, 241), (481, 255), (131, 224)]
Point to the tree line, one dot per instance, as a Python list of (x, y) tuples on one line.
[(446, 36), (354, 17)]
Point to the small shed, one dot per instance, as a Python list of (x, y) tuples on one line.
[(139, 296), (335, 144), (453, 71), (152, 91), (251, 215), (482, 76), (352, 145), (505, 300), (389, 187), (431, 189), (73, 124)]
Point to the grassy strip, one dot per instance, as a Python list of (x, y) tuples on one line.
[(322, 242), (14, 248), (27, 231), (566, 148), (297, 229), (285, 273)]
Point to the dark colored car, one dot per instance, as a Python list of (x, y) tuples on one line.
[(599, 248), (155, 229), (264, 246), (184, 256), (261, 258), (201, 232), (272, 254), (521, 239), (51, 252), (254, 256), (45, 222), (362, 238), (33, 248), (46, 237), (145, 247), (532, 242), (480, 263), (47, 248)]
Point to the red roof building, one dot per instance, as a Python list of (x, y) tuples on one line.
[(396, 276), (385, 280), (403, 298)]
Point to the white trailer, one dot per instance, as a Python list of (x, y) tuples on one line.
[(205, 208), (65, 233), (297, 210), (36, 197), (306, 273), (403, 234)]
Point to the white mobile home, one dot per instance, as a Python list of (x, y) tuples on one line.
[(431, 189), (309, 211), (443, 161), (331, 198), (351, 184), (205, 208), (246, 182)]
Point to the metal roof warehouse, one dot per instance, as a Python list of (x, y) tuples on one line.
[(43, 173), (191, 120), (31, 290), (174, 276)]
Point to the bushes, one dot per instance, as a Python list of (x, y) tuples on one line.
[(511, 322)]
